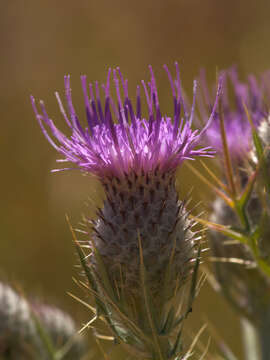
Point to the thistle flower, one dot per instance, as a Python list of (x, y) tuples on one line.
[(142, 243), (19, 335), (131, 143), (237, 127), (135, 157)]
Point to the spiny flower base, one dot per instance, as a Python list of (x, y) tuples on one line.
[(144, 206), (142, 251)]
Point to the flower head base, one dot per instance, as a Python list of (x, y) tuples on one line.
[(119, 139), (146, 206), (237, 127)]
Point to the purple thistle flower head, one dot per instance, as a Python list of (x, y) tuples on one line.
[(118, 138), (237, 127)]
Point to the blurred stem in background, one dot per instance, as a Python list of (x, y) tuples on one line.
[(250, 341)]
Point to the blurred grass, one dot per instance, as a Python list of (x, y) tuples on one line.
[(40, 42)]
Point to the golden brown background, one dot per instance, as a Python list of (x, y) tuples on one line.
[(43, 40)]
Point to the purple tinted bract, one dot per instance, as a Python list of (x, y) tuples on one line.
[(118, 138)]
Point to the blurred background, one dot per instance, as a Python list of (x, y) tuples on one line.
[(41, 41)]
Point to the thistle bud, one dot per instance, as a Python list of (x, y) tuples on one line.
[(18, 336)]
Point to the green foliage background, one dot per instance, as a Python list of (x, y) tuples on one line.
[(43, 40)]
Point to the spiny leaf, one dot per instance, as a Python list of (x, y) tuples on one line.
[(169, 321), (225, 230), (88, 306), (194, 342), (103, 275), (115, 307), (221, 194), (105, 287), (177, 347), (215, 178), (243, 200), (92, 282)]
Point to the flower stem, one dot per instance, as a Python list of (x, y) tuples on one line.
[(256, 339), (250, 341)]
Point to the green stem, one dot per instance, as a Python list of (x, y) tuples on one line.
[(263, 265), (241, 212), (250, 340), (256, 339)]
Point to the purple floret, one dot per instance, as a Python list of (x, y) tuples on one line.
[(118, 138), (237, 127)]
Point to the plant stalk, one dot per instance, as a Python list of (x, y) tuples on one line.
[(250, 341), (256, 339)]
